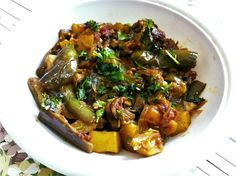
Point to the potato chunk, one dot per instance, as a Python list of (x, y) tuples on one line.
[(128, 132), (147, 143), (183, 120), (104, 141)]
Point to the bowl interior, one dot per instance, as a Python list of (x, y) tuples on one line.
[(38, 36)]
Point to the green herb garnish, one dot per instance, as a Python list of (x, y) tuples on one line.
[(147, 38), (83, 88), (83, 55), (113, 73), (51, 102), (149, 23), (99, 106), (92, 25), (101, 89), (106, 55), (99, 114), (153, 88), (81, 94), (122, 36), (120, 88)]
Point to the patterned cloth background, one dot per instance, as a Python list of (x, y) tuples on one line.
[(15, 162)]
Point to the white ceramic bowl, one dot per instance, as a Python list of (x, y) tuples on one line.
[(26, 48)]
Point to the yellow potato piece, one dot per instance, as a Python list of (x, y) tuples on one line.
[(128, 132), (183, 120), (85, 42), (104, 141), (147, 143)]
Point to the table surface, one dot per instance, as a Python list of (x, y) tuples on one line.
[(216, 16)]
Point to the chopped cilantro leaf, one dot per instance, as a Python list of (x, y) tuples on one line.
[(99, 114), (113, 73), (129, 91), (147, 37), (120, 88), (165, 89), (83, 88), (50, 102), (149, 23), (92, 25), (83, 55), (153, 88), (99, 106), (81, 94), (101, 89), (104, 53), (122, 36)]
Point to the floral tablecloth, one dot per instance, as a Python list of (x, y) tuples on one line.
[(15, 162)]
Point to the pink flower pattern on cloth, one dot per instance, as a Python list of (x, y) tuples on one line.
[(15, 162)]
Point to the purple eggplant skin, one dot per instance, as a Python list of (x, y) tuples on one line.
[(65, 131)]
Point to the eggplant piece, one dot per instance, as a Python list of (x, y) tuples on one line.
[(194, 91), (144, 57), (64, 68), (46, 64), (182, 58), (36, 89), (66, 132), (167, 58), (78, 108)]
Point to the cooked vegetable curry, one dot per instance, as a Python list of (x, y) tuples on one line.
[(104, 87)]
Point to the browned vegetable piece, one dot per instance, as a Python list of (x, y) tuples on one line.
[(78, 139), (170, 128), (177, 88), (139, 104), (77, 28), (189, 106), (104, 141), (85, 42), (147, 143), (46, 64), (37, 90), (183, 120), (81, 126), (116, 114), (128, 132), (149, 118)]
